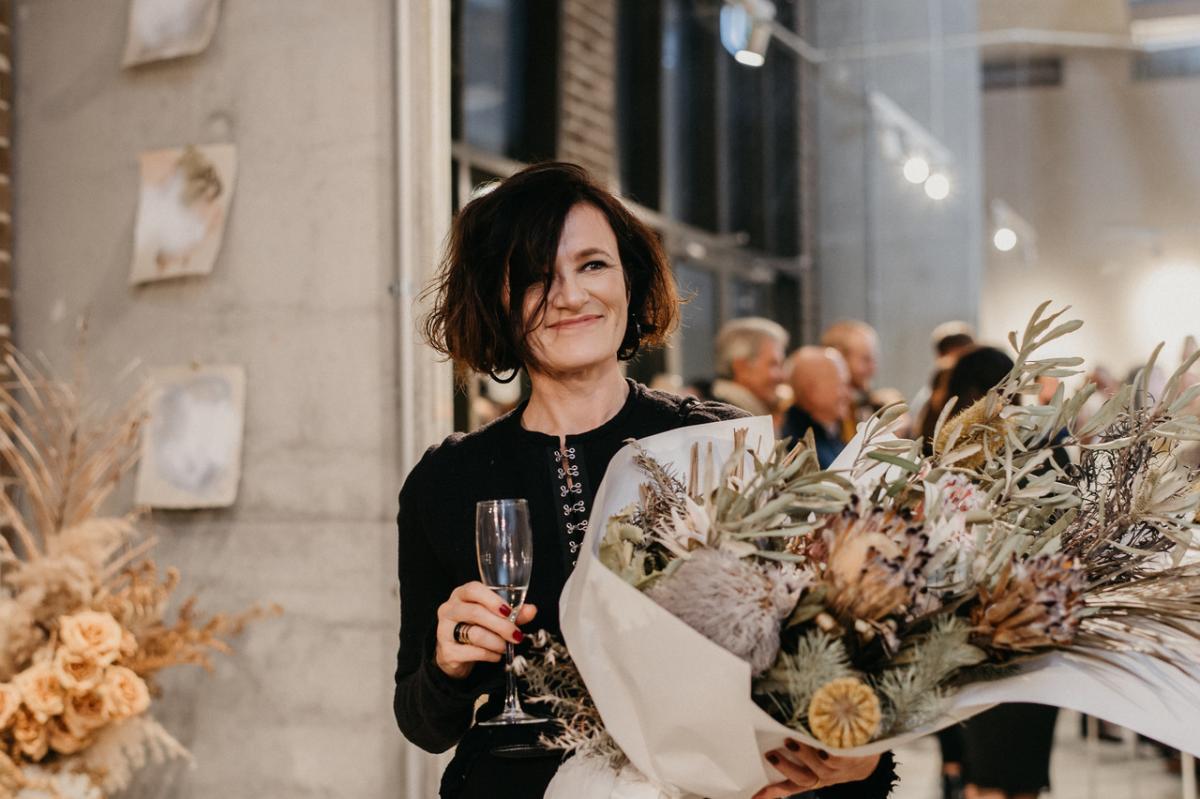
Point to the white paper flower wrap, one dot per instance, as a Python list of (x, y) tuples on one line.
[(680, 706)]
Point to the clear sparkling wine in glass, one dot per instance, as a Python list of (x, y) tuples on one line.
[(504, 548)]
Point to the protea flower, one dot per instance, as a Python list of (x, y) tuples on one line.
[(732, 601), (874, 565), (1034, 604)]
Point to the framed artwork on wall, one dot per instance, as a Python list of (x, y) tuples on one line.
[(162, 29), (192, 443), (182, 207)]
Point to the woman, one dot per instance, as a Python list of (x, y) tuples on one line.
[(551, 274), (1006, 750)]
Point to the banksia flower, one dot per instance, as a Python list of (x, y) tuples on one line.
[(978, 424), (1034, 604), (732, 601), (844, 713)]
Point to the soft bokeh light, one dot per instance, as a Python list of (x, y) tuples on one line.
[(1004, 239), (916, 169), (937, 187), (1164, 307)]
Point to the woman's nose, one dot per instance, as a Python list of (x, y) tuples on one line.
[(567, 292)]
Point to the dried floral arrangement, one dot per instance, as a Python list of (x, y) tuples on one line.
[(863, 598), (84, 623)]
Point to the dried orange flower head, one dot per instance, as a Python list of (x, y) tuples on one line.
[(844, 713)]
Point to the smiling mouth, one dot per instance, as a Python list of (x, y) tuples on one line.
[(578, 321)]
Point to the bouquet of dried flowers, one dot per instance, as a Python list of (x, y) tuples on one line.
[(84, 624), (864, 597)]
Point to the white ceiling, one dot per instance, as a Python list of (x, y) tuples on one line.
[(1075, 16)]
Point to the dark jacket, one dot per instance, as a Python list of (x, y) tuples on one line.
[(797, 422), (437, 554)]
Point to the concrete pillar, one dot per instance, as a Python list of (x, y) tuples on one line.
[(423, 211)]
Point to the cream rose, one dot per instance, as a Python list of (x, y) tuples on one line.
[(126, 692), (77, 673), (86, 713), (93, 634), (40, 690), (10, 700), (29, 735), (62, 740)]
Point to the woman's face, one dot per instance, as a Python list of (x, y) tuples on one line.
[(584, 319)]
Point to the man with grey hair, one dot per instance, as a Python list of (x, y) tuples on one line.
[(858, 344), (749, 364)]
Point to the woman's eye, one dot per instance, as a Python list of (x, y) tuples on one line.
[(594, 265)]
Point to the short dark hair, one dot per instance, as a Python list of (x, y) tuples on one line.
[(976, 373), (505, 241), (953, 342)]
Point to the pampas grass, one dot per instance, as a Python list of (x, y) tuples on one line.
[(61, 556)]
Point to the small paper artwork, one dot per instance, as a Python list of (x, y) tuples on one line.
[(162, 29), (184, 201), (192, 442)]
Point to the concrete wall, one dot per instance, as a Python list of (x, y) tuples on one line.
[(299, 296), (886, 252), (1105, 168)]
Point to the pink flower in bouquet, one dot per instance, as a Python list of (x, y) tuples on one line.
[(732, 601)]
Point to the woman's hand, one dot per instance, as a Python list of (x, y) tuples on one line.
[(806, 769), (481, 608)]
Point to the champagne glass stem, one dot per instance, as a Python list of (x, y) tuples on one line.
[(512, 703)]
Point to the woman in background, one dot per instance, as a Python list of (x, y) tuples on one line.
[(1006, 750)]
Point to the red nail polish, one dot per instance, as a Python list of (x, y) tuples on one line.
[(505, 611), (793, 745), (518, 636), (772, 758)]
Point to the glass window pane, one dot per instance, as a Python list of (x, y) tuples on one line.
[(491, 90), (751, 299), (700, 318)]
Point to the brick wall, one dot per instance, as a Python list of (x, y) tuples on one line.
[(6, 219), (587, 89)]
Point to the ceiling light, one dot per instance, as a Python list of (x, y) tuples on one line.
[(1005, 239), (916, 169), (937, 187), (746, 30)]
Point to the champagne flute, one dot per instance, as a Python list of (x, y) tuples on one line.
[(504, 548)]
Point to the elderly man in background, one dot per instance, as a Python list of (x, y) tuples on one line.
[(821, 383), (749, 364), (858, 344)]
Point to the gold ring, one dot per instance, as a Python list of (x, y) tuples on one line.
[(462, 631)]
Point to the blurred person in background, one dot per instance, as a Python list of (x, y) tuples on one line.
[(749, 364), (1006, 750), (858, 344), (949, 340), (820, 381)]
